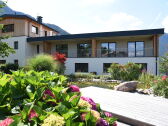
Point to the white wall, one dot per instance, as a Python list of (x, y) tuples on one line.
[(20, 52), (96, 64)]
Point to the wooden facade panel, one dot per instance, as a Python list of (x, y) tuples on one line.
[(23, 27)]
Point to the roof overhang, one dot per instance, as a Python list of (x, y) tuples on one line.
[(99, 35)]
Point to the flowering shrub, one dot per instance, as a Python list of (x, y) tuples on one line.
[(60, 58), (44, 99), (160, 86), (128, 72)]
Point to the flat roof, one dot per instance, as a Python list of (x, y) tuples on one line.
[(99, 34)]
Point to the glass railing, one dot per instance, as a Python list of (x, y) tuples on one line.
[(119, 52)]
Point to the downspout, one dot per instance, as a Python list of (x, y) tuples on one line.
[(156, 65)]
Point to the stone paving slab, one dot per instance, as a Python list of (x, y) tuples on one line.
[(134, 108)]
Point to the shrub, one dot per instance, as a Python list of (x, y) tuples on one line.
[(164, 64), (145, 80), (42, 62), (41, 98), (160, 86), (60, 60), (128, 72), (7, 68)]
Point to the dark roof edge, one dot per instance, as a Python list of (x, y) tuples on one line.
[(99, 34), (25, 16)]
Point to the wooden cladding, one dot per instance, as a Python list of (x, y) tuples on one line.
[(47, 47), (155, 45), (94, 48)]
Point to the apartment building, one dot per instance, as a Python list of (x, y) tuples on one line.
[(89, 52)]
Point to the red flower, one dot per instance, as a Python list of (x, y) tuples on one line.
[(48, 92), (60, 57), (164, 77), (32, 114), (6, 122)]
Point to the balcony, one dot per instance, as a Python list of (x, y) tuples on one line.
[(102, 53)]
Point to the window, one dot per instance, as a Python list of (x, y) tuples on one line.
[(135, 49), (2, 61), (16, 62), (106, 66), (35, 29), (45, 33), (81, 67), (144, 66), (8, 28), (15, 44), (84, 50), (108, 49), (38, 49), (62, 48)]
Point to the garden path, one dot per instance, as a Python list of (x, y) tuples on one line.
[(132, 108)]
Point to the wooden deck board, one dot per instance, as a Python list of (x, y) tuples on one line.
[(143, 108)]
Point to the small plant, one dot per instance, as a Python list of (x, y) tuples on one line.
[(160, 86), (8, 68), (145, 80), (42, 62)]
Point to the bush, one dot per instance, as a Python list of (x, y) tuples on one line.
[(160, 86), (44, 99), (42, 62), (164, 64), (7, 68), (128, 72), (145, 80)]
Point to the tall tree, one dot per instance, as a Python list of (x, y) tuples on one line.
[(5, 49)]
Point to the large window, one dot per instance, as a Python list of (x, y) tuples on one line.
[(62, 48), (81, 67), (2, 61), (135, 49), (106, 66), (108, 49), (84, 50), (8, 28), (35, 29), (16, 45)]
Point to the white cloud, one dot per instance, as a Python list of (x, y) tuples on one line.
[(165, 24), (120, 21), (93, 2)]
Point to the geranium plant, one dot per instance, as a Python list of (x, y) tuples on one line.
[(43, 98)]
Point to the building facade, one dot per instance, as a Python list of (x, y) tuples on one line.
[(90, 52)]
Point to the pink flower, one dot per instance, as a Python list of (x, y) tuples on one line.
[(90, 101), (155, 81), (115, 124), (32, 114), (48, 92), (107, 114), (6, 122), (83, 115), (164, 77), (102, 122), (74, 88)]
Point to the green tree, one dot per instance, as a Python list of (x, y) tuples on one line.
[(164, 64), (5, 49)]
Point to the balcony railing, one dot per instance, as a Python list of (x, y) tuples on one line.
[(100, 53)]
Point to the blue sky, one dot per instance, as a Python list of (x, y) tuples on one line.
[(83, 16)]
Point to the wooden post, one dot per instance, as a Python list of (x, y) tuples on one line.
[(155, 45), (94, 48)]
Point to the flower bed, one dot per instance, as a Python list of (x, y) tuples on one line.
[(44, 98)]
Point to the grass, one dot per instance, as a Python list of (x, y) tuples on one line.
[(95, 84)]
